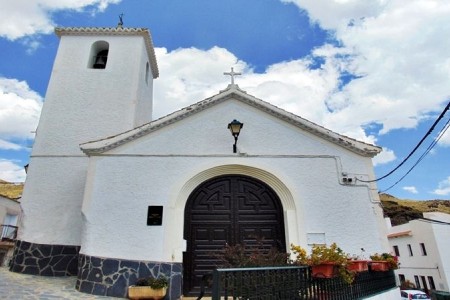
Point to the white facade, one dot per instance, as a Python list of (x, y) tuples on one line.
[(99, 163), (167, 159), (424, 248), (82, 104)]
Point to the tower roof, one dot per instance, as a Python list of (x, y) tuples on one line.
[(99, 31)]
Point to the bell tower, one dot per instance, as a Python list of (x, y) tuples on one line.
[(101, 85)]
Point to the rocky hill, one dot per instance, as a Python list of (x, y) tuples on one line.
[(10, 190), (402, 211)]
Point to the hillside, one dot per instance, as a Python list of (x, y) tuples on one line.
[(10, 190), (401, 211)]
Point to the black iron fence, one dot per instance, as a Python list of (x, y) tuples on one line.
[(296, 282), (8, 232)]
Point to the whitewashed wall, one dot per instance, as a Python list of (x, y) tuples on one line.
[(8, 206), (51, 200), (84, 104), (158, 169), (436, 238), (81, 104)]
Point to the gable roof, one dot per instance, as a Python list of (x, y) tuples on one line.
[(144, 32), (231, 92)]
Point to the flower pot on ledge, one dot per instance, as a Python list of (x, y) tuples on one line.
[(379, 266), (146, 292), (358, 265), (324, 270)]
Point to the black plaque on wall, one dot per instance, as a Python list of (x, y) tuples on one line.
[(154, 216)]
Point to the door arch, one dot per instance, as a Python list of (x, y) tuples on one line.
[(227, 209)]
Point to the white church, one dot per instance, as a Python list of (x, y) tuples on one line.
[(112, 195)]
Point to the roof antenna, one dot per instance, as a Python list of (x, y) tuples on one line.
[(120, 24)]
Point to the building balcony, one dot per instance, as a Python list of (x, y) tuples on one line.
[(8, 236)]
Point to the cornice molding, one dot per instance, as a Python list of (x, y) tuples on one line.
[(99, 31), (231, 92)]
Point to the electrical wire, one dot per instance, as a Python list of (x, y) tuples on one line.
[(435, 141), (432, 221), (415, 148)]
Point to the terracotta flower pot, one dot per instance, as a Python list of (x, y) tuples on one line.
[(379, 266), (358, 265), (324, 270)]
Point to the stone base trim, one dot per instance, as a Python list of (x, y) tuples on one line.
[(111, 277), (44, 259)]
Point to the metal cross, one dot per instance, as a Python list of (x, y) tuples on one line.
[(120, 20), (232, 74)]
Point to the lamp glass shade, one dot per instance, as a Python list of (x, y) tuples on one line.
[(235, 127)]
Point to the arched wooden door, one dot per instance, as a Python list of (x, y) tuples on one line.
[(227, 209)]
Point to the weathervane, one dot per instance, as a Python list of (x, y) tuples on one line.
[(232, 74), (120, 24)]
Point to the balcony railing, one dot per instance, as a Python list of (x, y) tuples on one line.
[(9, 232), (295, 283)]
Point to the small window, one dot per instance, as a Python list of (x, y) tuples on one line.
[(423, 249), (9, 228), (431, 282), (424, 283), (401, 278), (99, 55), (416, 279), (410, 250), (396, 251)]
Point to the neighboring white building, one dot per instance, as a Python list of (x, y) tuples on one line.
[(9, 218), (423, 249), (163, 196)]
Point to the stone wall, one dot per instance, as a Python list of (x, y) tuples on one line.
[(111, 277), (45, 260)]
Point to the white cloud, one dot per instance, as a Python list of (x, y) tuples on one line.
[(5, 145), (331, 14), (394, 48), (397, 51), (21, 18), (386, 156), (411, 189), (11, 172), (190, 75), (20, 108), (443, 188), (445, 139)]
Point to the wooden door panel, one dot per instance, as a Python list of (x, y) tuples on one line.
[(228, 210)]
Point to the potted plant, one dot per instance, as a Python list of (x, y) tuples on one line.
[(325, 261), (357, 264), (149, 288), (243, 256), (383, 262)]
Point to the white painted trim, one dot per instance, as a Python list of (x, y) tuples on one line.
[(293, 233), (232, 92)]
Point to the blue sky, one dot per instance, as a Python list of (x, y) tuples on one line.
[(377, 71)]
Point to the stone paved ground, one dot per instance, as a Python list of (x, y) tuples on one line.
[(14, 286)]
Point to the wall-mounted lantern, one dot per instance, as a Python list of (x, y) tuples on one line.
[(235, 127)]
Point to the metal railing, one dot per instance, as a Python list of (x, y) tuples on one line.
[(269, 283), (9, 232)]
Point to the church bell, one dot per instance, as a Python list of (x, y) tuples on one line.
[(100, 60)]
